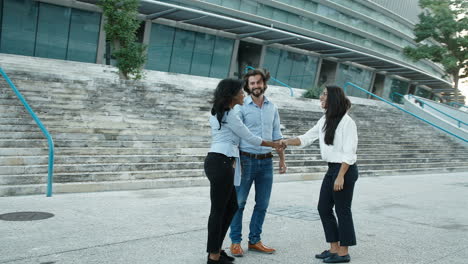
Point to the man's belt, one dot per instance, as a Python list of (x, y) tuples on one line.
[(257, 156)]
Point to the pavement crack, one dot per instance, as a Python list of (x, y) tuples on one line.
[(104, 245)]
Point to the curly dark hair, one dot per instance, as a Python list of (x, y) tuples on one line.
[(262, 72), (226, 90), (337, 106)]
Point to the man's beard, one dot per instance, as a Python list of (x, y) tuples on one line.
[(257, 92)]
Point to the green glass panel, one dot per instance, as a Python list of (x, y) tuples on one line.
[(280, 15), (311, 6), (357, 76), (393, 85), (234, 4), (308, 23), (271, 60), (202, 54), (218, 2), (265, 11), (421, 92), (398, 86), (84, 36), (310, 72), (299, 3), (284, 67), (19, 27), (221, 57), (52, 31), (294, 19), (160, 47), (297, 69), (249, 7), (183, 50)]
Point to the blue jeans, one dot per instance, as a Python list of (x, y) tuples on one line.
[(260, 172)]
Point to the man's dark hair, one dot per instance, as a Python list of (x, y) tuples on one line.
[(262, 72)]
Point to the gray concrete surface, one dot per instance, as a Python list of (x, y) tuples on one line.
[(398, 219)]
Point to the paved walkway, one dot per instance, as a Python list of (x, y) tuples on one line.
[(399, 219)]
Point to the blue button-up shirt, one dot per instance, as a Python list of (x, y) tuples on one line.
[(263, 122)]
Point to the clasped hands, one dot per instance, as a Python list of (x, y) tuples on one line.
[(280, 145)]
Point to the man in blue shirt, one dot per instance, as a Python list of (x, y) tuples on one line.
[(261, 116)]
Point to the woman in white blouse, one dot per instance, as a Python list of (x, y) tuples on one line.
[(337, 135)]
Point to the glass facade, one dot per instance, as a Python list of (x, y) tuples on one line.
[(421, 92), (181, 51), (296, 70), (393, 86), (43, 30), (360, 77), (381, 44)]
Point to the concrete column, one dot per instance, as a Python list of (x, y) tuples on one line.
[(317, 73), (101, 42), (372, 85), (147, 37), (262, 56), (233, 68)]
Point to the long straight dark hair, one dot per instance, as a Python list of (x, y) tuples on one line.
[(337, 106), (226, 90)]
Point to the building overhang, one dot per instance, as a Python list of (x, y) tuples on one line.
[(269, 35)]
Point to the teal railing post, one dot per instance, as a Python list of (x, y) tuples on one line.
[(273, 79), (43, 129), (394, 105)]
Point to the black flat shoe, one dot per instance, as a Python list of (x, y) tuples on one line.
[(221, 260), (337, 259), (325, 254), (225, 256)]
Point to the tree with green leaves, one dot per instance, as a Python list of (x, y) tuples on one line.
[(446, 22), (121, 27)]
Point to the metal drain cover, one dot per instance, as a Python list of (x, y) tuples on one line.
[(25, 216)]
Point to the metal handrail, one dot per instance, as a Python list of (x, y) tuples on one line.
[(394, 105), (424, 103), (274, 79), (461, 105), (43, 129)]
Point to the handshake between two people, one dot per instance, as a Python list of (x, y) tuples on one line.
[(279, 145), (282, 144)]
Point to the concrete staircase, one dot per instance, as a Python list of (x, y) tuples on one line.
[(112, 135)]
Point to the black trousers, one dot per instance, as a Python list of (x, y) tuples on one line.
[(343, 230), (219, 170)]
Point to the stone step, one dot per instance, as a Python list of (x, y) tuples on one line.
[(27, 189), (292, 159), (428, 150), (6, 143), (205, 139), (303, 166)]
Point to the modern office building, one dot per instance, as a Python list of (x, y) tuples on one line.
[(304, 43)]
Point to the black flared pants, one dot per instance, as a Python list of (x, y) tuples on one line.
[(219, 170), (343, 230)]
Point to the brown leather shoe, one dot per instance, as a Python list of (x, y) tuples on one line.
[(260, 247), (236, 250)]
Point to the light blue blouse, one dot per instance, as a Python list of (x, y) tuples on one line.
[(226, 140)]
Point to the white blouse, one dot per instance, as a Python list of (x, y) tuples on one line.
[(344, 145)]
